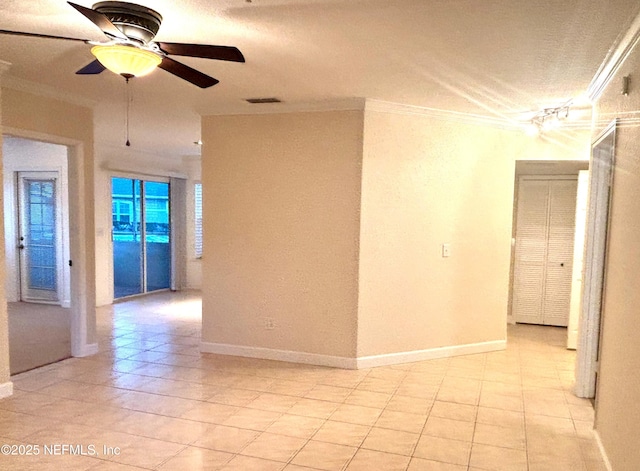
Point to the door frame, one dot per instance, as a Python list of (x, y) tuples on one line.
[(81, 282), (595, 258)]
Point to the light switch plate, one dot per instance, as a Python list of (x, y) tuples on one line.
[(446, 250)]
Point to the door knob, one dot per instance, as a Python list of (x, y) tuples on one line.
[(21, 246), (562, 264)]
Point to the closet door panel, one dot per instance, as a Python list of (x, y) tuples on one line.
[(559, 264), (530, 251)]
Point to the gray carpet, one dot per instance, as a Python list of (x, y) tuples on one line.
[(39, 334)]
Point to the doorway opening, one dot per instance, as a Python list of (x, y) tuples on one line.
[(141, 236), (37, 251), (547, 245), (585, 295), (543, 259)]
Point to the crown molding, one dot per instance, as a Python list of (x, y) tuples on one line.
[(445, 115), (366, 104), (39, 89), (616, 56)]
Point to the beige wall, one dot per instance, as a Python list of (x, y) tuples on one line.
[(618, 395), (281, 230), (427, 182), (38, 117), (288, 198)]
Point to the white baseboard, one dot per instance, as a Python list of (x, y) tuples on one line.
[(6, 389), (603, 452), (430, 354), (86, 350), (351, 363), (279, 355)]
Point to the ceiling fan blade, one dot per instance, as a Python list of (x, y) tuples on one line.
[(37, 35), (223, 53), (101, 21), (187, 73), (92, 68)]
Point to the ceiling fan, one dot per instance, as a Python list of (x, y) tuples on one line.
[(130, 50)]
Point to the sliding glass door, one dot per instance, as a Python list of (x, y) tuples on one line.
[(141, 236), (156, 237)]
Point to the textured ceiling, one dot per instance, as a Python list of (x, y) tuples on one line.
[(497, 58)]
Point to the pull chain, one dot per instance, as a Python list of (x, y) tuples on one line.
[(128, 109)]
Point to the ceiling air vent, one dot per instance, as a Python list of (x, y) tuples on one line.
[(263, 100)]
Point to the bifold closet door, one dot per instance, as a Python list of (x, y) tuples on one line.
[(545, 225), (559, 267)]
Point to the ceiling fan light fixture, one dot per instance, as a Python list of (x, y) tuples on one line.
[(128, 61)]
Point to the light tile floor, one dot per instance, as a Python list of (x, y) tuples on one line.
[(151, 400)]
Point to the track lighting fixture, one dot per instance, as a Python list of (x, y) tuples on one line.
[(548, 119)]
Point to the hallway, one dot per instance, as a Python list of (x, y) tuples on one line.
[(151, 400)]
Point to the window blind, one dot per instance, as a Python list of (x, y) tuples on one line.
[(198, 219)]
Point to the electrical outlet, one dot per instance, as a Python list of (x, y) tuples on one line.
[(269, 323)]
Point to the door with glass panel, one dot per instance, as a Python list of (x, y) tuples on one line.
[(141, 236), (40, 237)]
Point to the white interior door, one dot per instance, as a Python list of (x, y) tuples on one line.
[(545, 228), (559, 272), (600, 187), (578, 258), (39, 237)]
